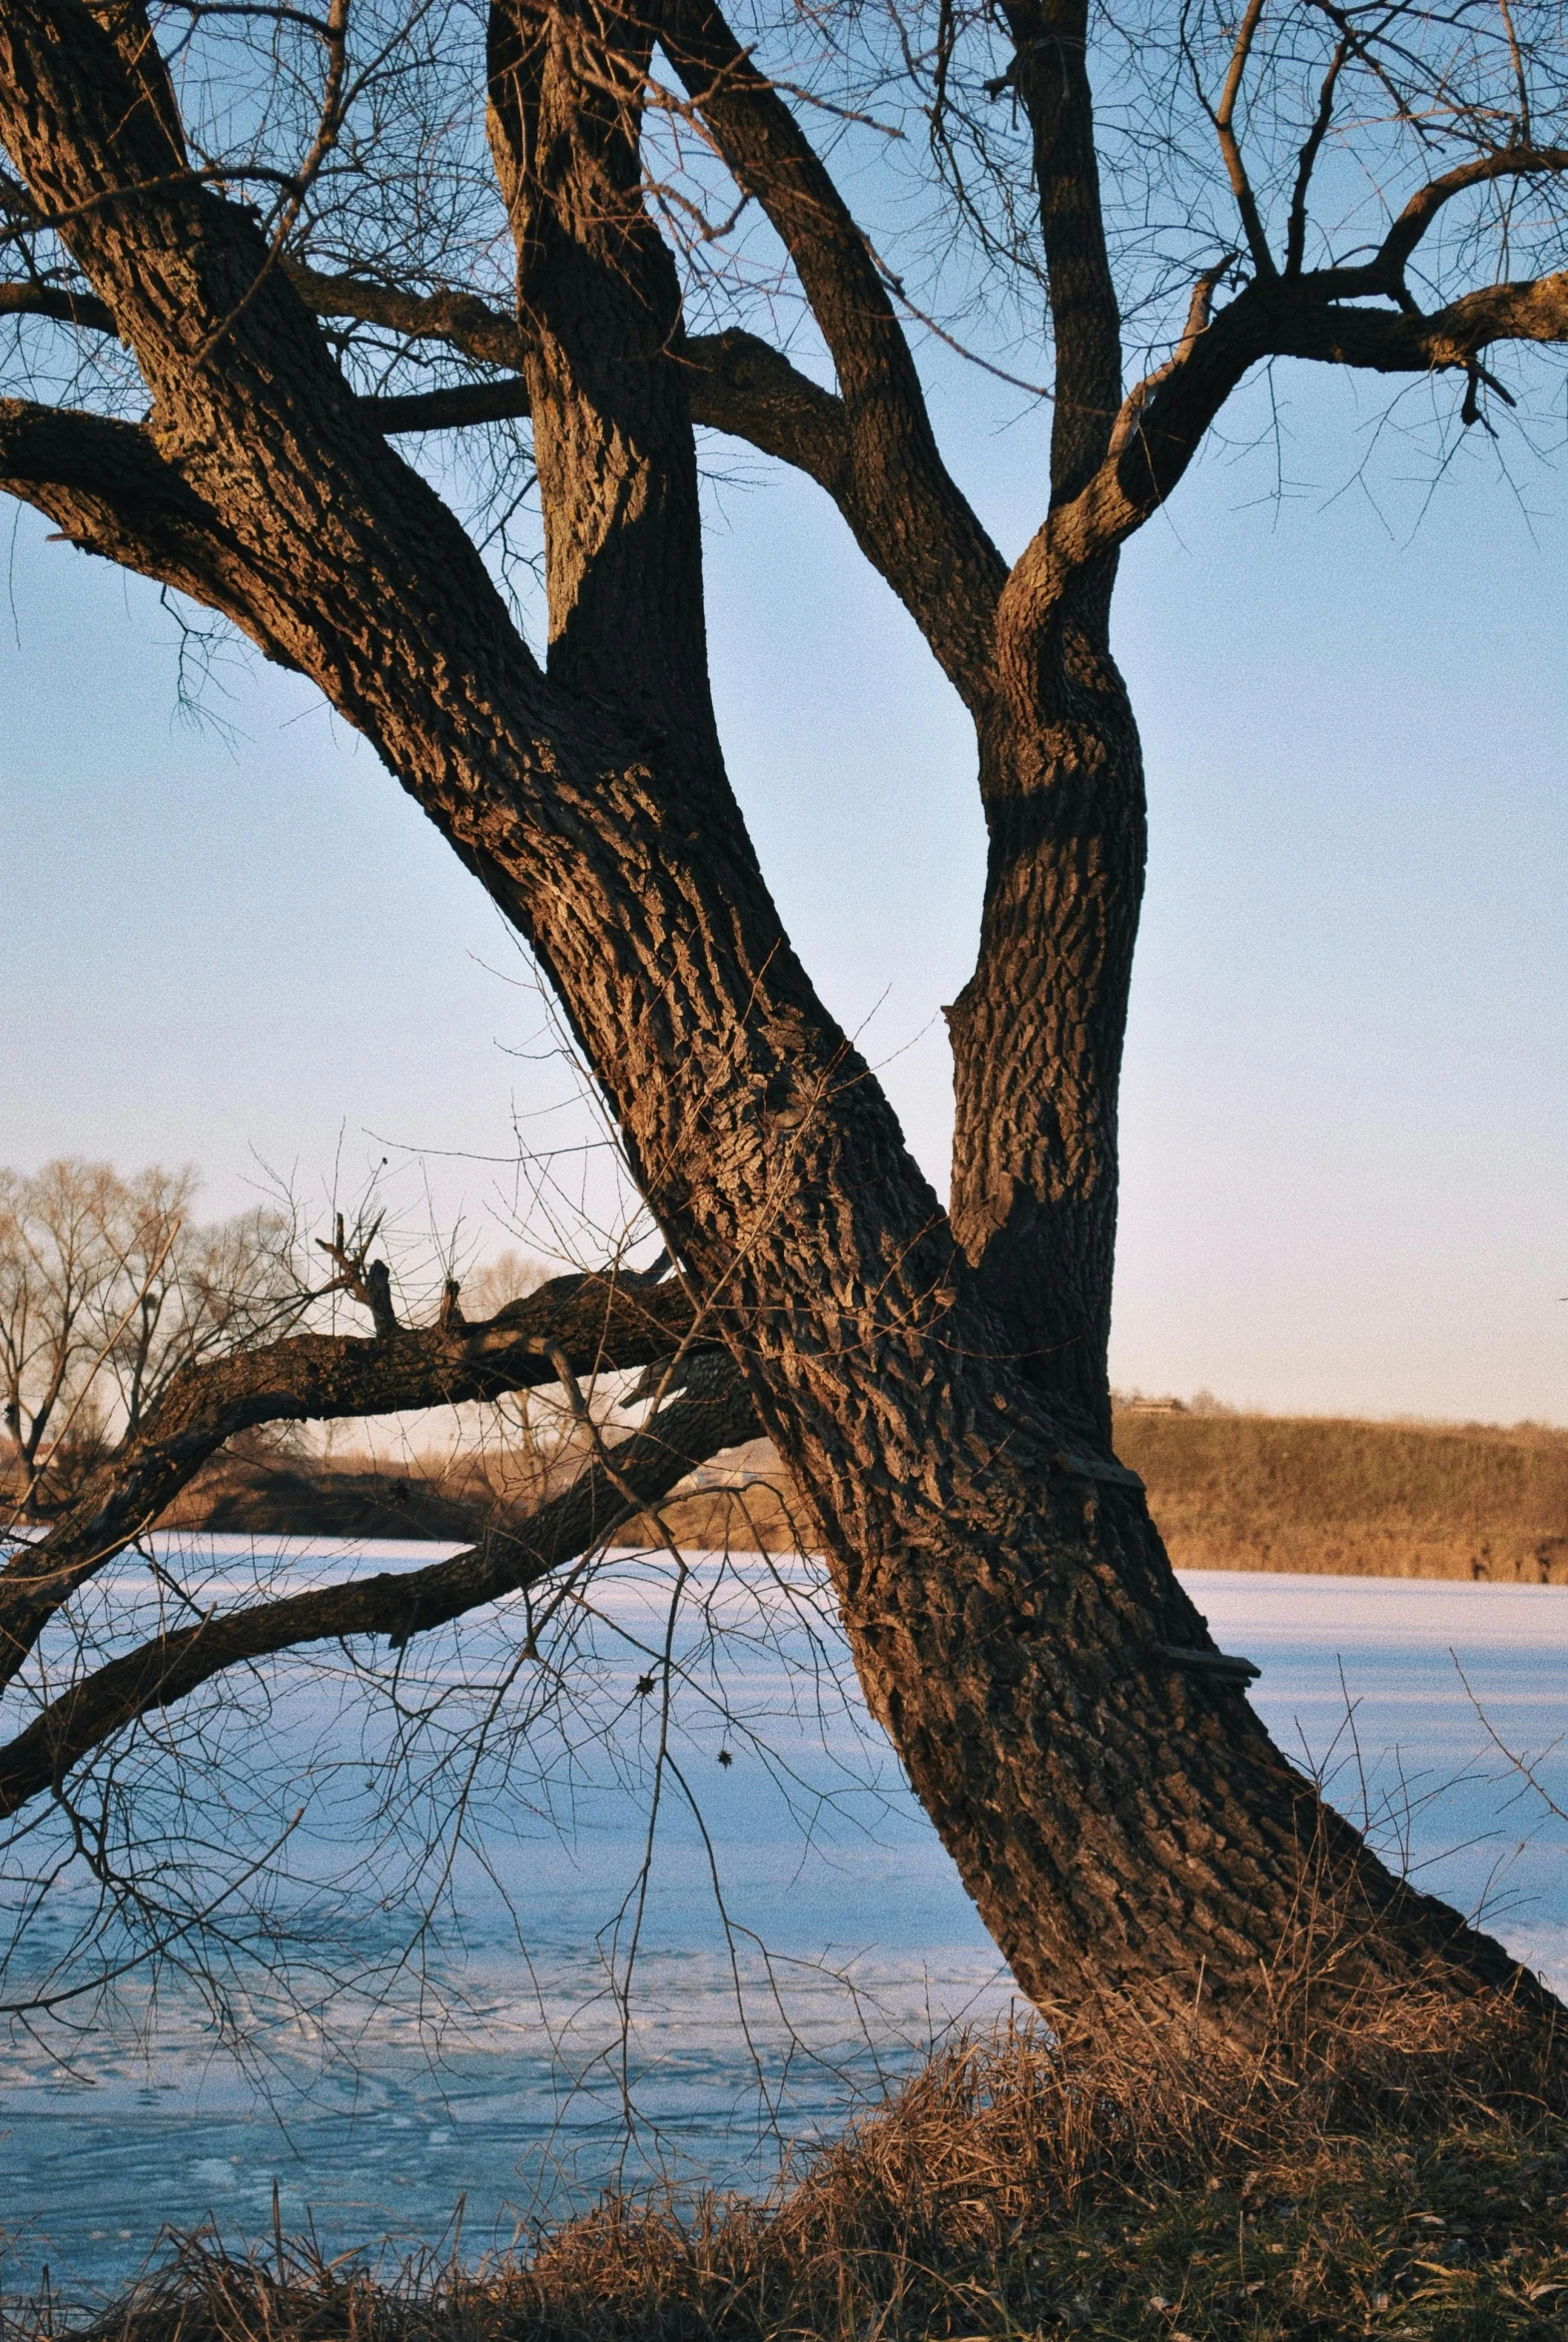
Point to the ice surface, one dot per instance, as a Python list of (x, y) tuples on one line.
[(500, 2078)]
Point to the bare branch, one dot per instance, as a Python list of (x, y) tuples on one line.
[(1534, 311), (607, 1322), (52, 300), (741, 385), (107, 488), (1050, 72), (735, 382), (460, 407), (1231, 145), (1307, 163), (1199, 314), (1167, 415), (1424, 206), (895, 490), (462, 319), (714, 1411), (368, 1280)]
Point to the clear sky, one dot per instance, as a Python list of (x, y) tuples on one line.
[(1345, 1113)]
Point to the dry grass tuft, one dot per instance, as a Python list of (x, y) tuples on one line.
[(1403, 2176)]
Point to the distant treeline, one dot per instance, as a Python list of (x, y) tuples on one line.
[(1229, 1492)]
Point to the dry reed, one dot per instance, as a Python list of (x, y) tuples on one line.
[(1402, 2169)]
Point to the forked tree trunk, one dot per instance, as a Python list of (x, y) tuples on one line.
[(1120, 1818), (1116, 1809)]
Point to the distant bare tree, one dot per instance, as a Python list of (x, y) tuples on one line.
[(56, 1260), (107, 1289), (510, 1276)]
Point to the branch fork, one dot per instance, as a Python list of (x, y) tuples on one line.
[(370, 1282)]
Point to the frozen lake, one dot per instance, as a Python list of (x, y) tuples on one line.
[(729, 1949)]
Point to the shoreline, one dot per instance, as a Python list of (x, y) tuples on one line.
[(1315, 1496)]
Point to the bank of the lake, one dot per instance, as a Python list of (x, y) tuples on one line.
[(1404, 2177), (1318, 1495)]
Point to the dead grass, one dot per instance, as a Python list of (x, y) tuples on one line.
[(1404, 2176), (1354, 1498)]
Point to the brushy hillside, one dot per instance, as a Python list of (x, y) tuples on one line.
[(1229, 1492), (1400, 2180), (1357, 1499), (1402, 1500)]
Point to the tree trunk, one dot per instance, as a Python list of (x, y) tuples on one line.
[(1119, 1814), (1034, 1198)]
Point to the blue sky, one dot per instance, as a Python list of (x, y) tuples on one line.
[(1347, 1101)]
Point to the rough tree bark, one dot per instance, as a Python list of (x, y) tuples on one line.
[(936, 1379)]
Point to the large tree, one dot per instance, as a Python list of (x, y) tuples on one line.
[(245, 201)]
